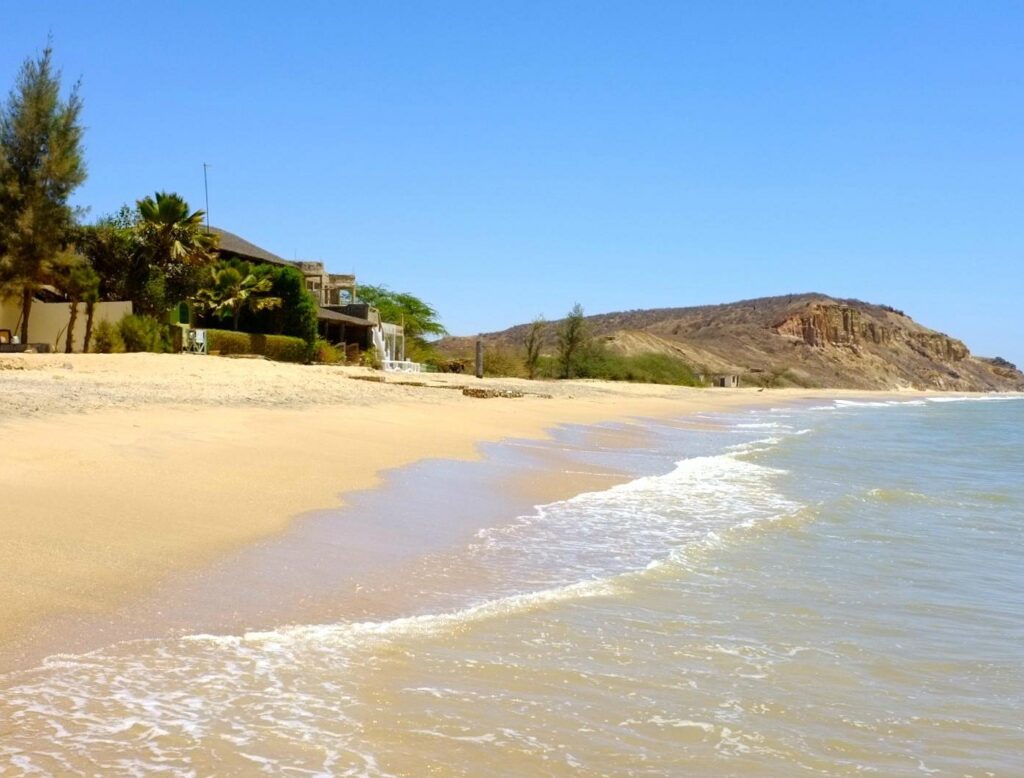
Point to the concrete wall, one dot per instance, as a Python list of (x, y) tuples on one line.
[(48, 322)]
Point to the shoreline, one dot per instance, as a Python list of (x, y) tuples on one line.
[(353, 562), (105, 504)]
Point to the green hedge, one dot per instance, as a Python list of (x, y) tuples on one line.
[(280, 348), (144, 333)]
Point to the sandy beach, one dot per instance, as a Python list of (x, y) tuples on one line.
[(119, 470), (218, 565)]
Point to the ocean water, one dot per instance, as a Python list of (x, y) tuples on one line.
[(831, 590)]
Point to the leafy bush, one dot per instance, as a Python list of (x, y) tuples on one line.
[(297, 314), (503, 361), (597, 361), (651, 369), (419, 351), (370, 358), (106, 339), (144, 333), (326, 353), (280, 348)]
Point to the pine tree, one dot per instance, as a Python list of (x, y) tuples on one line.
[(41, 164)]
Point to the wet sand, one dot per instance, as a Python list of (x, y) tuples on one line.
[(349, 562)]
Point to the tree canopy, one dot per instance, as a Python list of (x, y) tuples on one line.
[(175, 246), (419, 319), (233, 286), (41, 164), (417, 316), (572, 339)]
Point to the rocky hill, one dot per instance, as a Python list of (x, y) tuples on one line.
[(804, 339)]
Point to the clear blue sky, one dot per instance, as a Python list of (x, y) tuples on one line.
[(504, 160)]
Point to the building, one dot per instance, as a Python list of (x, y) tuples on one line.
[(342, 320), (49, 319), (726, 381), (328, 288)]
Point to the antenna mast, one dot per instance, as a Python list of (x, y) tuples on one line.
[(206, 189)]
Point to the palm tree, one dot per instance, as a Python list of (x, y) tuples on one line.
[(234, 287), (174, 240), (170, 233)]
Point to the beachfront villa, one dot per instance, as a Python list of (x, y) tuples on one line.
[(343, 321)]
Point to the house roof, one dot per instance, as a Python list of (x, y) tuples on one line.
[(326, 314), (233, 244)]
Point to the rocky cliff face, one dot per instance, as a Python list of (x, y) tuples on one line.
[(838, 324), (820, 325)]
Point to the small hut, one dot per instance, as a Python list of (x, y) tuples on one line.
[(726, 381)]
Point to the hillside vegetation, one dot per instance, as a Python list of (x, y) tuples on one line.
[(808, 340)]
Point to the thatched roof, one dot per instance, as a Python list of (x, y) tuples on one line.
[(232, 244)]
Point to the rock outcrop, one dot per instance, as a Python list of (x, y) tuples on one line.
[(838, 324)]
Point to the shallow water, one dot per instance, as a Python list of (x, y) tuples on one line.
[(833, 590)]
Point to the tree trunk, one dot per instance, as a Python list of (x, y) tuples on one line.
[(69, 343), (90, 310), (26, 309), (238, 313)]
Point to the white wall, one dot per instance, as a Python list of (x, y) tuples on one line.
[(48, 322)]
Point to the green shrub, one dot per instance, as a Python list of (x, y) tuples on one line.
[(106, 339), (327, 354), (370, 358), (547, 366), (280, 348), (597, 361), (297, 314), (503, 361), (418, 351), (646, 368), (144, 333)]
